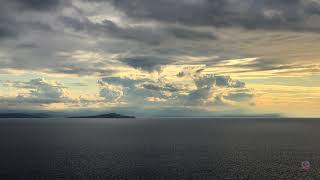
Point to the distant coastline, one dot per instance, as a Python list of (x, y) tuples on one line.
[(110, 115), (23, 115), (28, 115)]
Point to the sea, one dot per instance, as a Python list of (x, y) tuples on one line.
[(160, 148)]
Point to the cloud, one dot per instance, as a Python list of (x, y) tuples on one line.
[(17, 16), (111, 93), (39, 92), (188, 34), (155, 53), (12, 28), (160, 87), (265, 67), (155, 99), (27, 46), (36, 5), (37, 35), (239, 95), (226, 81), (146, 63), (7, 30), (212, 90), (125, 82), (210, 80), (7, 27), (250, 14), (196, 90), (108, 27), (140, 33)]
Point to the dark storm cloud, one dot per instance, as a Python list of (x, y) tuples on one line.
[(191, 34), (251, 14), (110, 28), (146, 63), (12, 28), (7, 26), (37, 5), (13, 21), (141, 34), (149, 35), (27, 46), (7, 32)]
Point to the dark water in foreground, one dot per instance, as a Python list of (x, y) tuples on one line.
[(150, 149)]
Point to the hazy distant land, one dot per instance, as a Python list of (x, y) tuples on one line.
[(29, 115), (23, 115), (110, 115)]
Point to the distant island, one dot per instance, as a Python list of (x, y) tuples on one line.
[(110, 115), (22, 115), (39, 115)]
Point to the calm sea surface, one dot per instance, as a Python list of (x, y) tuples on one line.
[(150, 149)]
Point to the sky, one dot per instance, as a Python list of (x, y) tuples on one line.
[(161, 57)]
